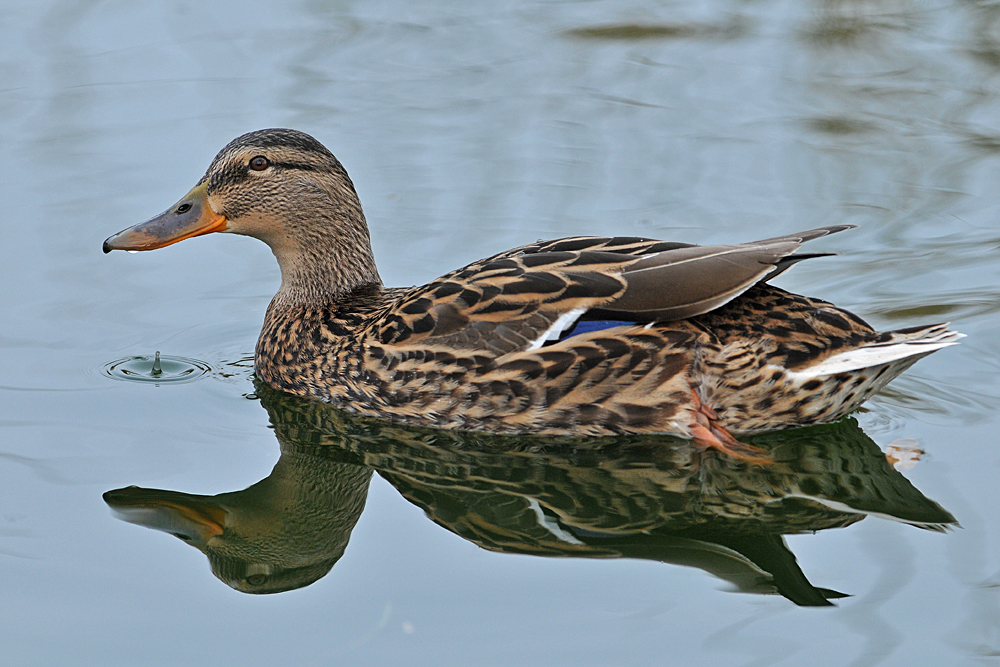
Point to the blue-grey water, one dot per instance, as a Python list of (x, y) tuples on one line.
[(469, 129)]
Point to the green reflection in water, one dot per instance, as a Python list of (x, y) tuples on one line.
[(647, 497)]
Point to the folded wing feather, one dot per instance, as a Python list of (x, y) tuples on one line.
[(527, 297)]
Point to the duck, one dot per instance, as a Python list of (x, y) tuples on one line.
[(584, 336)]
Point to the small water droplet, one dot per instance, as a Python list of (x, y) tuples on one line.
[(131, 252), (157, 369)]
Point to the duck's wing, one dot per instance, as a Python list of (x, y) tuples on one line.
[(521, 299), (505, 304), (682, 283), (635, 245), (622, 245)]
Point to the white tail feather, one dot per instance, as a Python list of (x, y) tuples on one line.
[(903, 346)]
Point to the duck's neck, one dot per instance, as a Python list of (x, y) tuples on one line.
[(318, 272), (322, 245)]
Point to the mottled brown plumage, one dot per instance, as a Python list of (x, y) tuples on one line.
[(698, 343)]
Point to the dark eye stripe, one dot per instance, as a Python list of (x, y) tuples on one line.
[(295, 165), (238, 173)]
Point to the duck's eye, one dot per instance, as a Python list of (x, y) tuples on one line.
[(256, 579), (259, 163)]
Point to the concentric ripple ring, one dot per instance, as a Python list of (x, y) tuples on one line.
[(157, 369)]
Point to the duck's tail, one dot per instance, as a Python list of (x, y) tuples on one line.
[(896, 350)]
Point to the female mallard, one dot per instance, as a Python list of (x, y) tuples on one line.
[(583, 335)]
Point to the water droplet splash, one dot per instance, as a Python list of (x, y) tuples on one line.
[(158, 369)]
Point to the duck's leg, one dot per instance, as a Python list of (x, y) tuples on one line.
[(709, 435)]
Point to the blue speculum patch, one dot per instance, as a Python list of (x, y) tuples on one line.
[(586, 326)]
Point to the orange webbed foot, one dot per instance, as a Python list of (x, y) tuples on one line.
[(709, 435)]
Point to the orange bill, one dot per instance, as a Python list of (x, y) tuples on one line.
[(191, 216), (209, 520), (195, 518)]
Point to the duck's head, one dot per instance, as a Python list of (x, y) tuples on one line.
[(284, 532), (286, 189)]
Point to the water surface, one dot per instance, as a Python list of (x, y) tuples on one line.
[(467, 131)]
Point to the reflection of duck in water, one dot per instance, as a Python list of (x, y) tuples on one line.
[(643, 497), (284, 532), (578, 336)]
